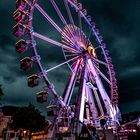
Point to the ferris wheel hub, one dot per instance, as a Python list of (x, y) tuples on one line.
[(91, 51), (78, 40)]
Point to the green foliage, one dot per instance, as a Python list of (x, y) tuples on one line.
[(28, 118)]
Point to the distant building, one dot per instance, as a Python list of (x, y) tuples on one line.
[(4, 120)]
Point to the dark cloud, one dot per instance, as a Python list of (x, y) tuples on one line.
[(118, 22)]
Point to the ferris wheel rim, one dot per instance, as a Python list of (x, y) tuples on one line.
[(81, 56), (93, 28)]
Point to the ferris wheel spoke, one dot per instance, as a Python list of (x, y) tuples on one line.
[(52, 22), (63, 50), (70, 34), (97, 47), (71, 55), (89, 35), (58, 12), (68, 12), (105, 78), (66, 62), (80, 20), (66, 51), (100, 61), (48, 18), (53, 42)]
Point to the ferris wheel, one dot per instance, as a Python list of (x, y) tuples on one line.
[(86, 55)]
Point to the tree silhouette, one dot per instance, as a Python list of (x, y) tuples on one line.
[(28, 118), (1, 93)]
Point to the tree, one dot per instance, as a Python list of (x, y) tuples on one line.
[(1, 93), (28, 118)]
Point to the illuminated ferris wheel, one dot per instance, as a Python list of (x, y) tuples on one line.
[(91, 78)]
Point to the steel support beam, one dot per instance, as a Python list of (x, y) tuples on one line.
[(71, 83), (81, 93), (101, 89)]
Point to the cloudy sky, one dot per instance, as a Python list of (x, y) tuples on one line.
[(118, 22)]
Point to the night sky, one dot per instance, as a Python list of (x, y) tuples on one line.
[(118, 21)]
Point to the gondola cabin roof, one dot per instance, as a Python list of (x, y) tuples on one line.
[(18, 10), (15, 13), (21, 25), (35, 76), (21, 40), (26, 59), (42, 93)]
